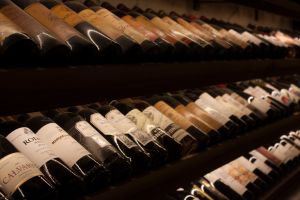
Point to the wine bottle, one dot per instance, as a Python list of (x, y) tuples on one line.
[(214, 136), (227, 185), (164, 107), (2, 196), (242, 176), (91, 139), (188, 142), (209, 189), (129, 46), (140, 157), (21, 179), (50, 47), (149, 48), (180, 193), (232, 126), (61, 143), (180, 47), (270, 159), (145, 124), (145, 27), (196, 110), (262, 179), (198, 192), (118, 118), (79, 45), (15, 42), (42, 156), (270, 173), (104, 44), (206, 98), (129, 149)]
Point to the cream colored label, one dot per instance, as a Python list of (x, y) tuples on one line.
[(102, 124), (65, 13), (120, 24), (7, 27), (140, 120), (62, 143), (120, 121), (50, 21), (260, 165), (16, 169), (31, 146), (173, 114), (235, 103)]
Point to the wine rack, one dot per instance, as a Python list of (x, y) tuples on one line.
[(54, 86), (154, 184)]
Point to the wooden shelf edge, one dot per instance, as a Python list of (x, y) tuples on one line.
[(28, 90), (169, 177)]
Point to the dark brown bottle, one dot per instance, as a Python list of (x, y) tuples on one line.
[(15, 42), (81, 47), (107, 47), (50, 47), (129, 47)]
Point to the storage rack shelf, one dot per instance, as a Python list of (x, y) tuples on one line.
[(155, 183), (31, 89)]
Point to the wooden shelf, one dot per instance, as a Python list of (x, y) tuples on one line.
[(27, 89), (154, 184)]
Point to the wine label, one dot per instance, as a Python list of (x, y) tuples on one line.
[(127, 126), (215, 114), (62, 143), (31, 146), (212, 178), (192, 118), (25, 21), (173, 114), (94, 141), (227, 106), (260, 165), (16, 169), (235, 103), (102, 124), (7, 27), (268, 155), (110, 18), (245, 176), (145, 124), (281, 153), (246, 163), (165, 123), (96, 21), (65, 13), (152, 36), (208, 100), (252, 38), (49, 20), (230, 181)]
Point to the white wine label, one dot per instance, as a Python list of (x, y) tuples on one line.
[(120, 121), (205, 98), (260, 165), (16, 169), (141, 137), (245, 176), (212, 178), (86, 129), (280, 152), (237, 104), (62, 143), (212, 112), (141, 120), (93, 141), (31, 146), (126, 141), (260, 104), (230, 181), (102, 124), (229, 107), (246, 163), (157, 117)]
